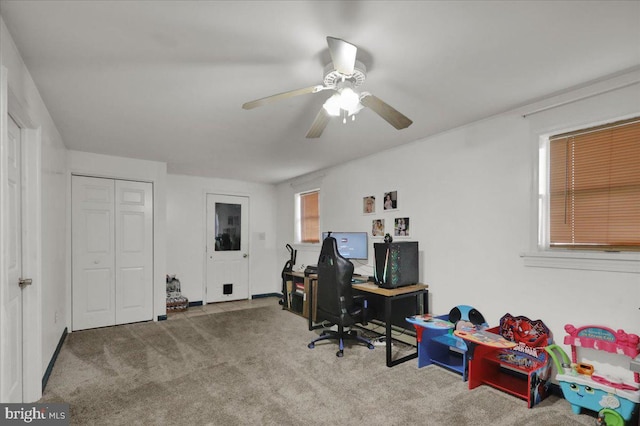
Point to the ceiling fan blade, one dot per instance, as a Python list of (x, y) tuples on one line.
[(343, 55), (321, 121), (386, 111), (284, 95)]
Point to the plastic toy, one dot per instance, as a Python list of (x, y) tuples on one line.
[(436, 342), (615, 399)]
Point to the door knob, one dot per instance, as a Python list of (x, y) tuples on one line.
[(23, 282), (245, 255)]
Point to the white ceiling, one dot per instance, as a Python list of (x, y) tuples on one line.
[(165, 80)]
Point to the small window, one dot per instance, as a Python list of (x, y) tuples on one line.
[(308, 217), (593, 188)]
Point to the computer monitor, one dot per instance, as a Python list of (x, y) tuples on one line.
[(351, 245)]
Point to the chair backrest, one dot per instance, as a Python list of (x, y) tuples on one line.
[(521, 329), (334, 283), (466, 313)]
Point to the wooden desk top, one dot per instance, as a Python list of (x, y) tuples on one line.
[(300, 274), (370, 287)]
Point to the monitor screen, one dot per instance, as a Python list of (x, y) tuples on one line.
[(351, 245)]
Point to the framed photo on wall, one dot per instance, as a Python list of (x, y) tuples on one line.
[(390, 200), (369, 204), (377, 228), (401, 227)]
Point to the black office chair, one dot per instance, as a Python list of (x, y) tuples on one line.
[(335, 302)]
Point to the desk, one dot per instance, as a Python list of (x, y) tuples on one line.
[(391, 295)]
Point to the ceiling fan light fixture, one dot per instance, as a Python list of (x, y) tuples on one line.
[(349, 100), (332, 105), (345, 100)]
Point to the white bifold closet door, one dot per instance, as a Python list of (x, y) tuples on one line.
[(112, 252)]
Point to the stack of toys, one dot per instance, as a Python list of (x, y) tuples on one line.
[(176, 302), (516, 357)]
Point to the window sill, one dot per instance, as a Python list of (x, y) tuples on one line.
[(306, 246), (599, 261)]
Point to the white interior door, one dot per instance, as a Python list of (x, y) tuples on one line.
[(134, 251), (11, 322), (93, 252), (227, 248)]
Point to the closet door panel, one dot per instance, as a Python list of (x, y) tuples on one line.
[(93, 254), (135, 297), (134, 251)]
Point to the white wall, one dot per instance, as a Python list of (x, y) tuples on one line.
[(141, 170), (470, 195), (46, 216), (186, 226)]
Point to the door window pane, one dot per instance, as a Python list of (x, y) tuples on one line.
[(227, 226)]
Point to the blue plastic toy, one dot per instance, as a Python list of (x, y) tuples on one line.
[(436, 342)]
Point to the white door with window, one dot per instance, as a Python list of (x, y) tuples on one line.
[(227, 248), (112, 252), (11, 323)]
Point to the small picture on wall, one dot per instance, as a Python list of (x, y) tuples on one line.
[(401, 227), (377, 228), (369, 204), (391, 200)]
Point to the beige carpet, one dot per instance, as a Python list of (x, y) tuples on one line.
[(253, 367)]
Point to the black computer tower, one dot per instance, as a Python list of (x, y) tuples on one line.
[(396, 264)]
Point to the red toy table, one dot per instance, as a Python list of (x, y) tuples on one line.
[(521, 371)]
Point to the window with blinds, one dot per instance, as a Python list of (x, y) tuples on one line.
[(309, 217), (594, 188)]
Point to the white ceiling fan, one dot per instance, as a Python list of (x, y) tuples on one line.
[(343, 76)]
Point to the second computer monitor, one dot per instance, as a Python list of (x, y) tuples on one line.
[(351, 245)]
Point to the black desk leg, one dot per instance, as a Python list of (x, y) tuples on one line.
[(310, 306), (387, 323), (387, 316)]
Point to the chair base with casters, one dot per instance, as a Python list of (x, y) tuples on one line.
[(341, 336)]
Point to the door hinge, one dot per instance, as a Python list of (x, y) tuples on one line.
[(23, 282)]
